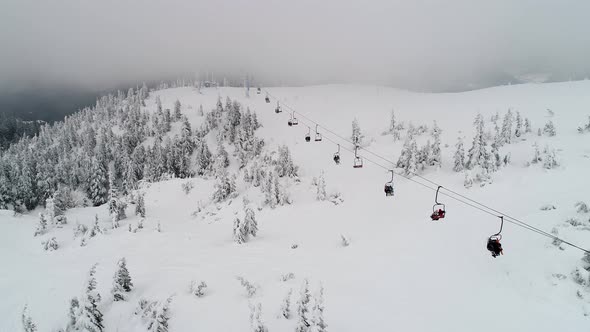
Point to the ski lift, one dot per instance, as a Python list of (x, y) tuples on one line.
[(337, 156), (308, 135), (494, 245), (318, 136), (267, 99), (388, 188), (358, 161), (293, 120), (278, 109), (258, 91), (438, 209)]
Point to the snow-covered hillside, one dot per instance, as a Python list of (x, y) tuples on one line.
[(398, 270)]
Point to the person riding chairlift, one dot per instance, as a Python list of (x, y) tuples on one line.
[(495, 247)]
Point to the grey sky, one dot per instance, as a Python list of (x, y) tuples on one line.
[(415, 44)]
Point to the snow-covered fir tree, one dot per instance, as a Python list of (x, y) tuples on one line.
[(116, 205), (87, 316), (285, 165), (95, 230), (41, 225), (239, 232), (357, 135), (435, 153), (518, 130), (121, 281), (50, 244), (177, 112), (98, 183), (286, 305), (506, 128), (549, 129), (459, 157), (321, 194), (319, 325), (204, 162), (256, 323), (549, 158), (27, 322), (478, 154), (250, 223), (140, 205), (161, 317), (51, 210), (225, 186), (198, 288), (303, 309), (408, 158)]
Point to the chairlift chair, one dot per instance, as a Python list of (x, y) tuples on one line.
[(278, 109), (258, 91), (358, 161), (318, 136), (438, 209), (294, 120), (337, 156), (267, 99), (494, 245), (308, 135), (388, 188)]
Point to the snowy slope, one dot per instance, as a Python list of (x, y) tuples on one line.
[(400, 271)]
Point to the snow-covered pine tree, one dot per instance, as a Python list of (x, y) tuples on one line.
[(286, 305), (121, 281), (496, 161), (250, 222), (478, 154), (550, 159), (256, 323), (95, 230), (51, 244), (177, 112), (321, 194), (74, 313), (238, 231), (285, 165), (98, 182), (225, 186), (459, 158), (198, 288), (116, 205), (357, 136), (161, 317), (424, 156), (518, 130), (200, 110), (408, 158), (27, 321), (51, 210), (41, 225), (204, 162), (319, 325), (303, 306), (394, 127), (507, 128), (436, 154), (549, 129), (140, 205), (90, 318)]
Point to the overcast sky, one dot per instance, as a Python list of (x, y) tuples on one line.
[(414, 44)]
